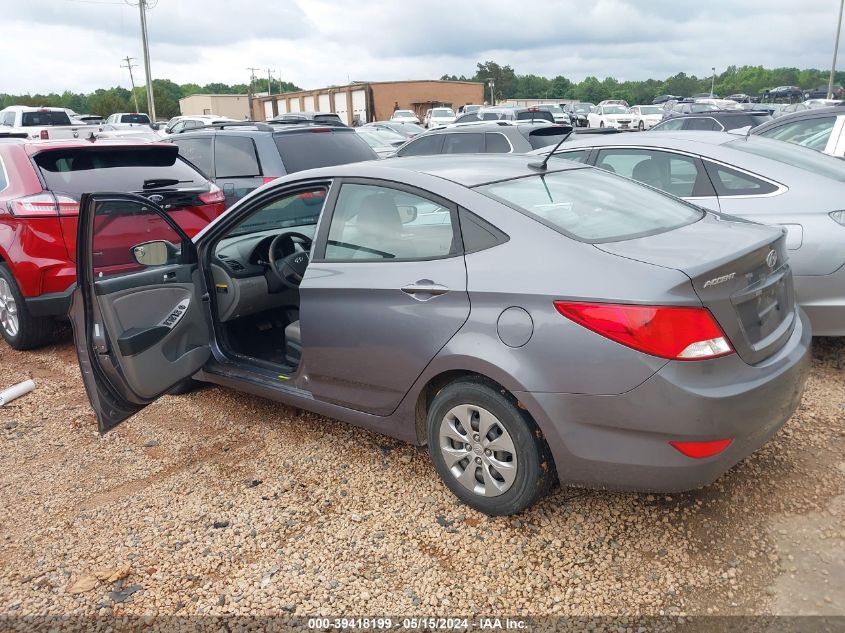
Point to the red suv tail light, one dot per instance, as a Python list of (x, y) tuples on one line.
[(677, 333), (44, 205), (214, 195)]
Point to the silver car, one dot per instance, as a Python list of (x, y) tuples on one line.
[(526, 321), (755, 178)]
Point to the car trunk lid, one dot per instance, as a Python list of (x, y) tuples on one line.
[(738, 269)]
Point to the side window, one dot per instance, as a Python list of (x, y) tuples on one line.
[(234, 157), (478, 234), (577, 155), (178, 127), (463, 143), (812, 133), (707, 124), (4, 179), (425, 145), (298, 212), (672, 173), (496, 143), (119, 227), (730, 182), (670, 124), (197, 151), (376, 223)]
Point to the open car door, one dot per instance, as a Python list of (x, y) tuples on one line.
[(137, 310)]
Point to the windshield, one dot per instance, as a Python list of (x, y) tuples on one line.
[(614, 110), (793, 155), (404, 113), (135, 118), (651, 110), (442, 112), (583, 108), (592, 205), (46, 117)]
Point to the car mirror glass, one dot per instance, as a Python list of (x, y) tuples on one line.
[(407, 213), (155, 253)]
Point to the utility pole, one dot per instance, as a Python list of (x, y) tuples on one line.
[(835, 50), (269, 84), (713, 81), (251, 96), (151, 106), (130, 66)]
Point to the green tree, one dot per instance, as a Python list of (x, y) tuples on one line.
[(503, 76)]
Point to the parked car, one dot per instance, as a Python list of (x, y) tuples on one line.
[(134, 132), (134, 118), (384, 143), (179, 124), (374, 311), (819, 129), (408, 130), (469, 107), (40, 186), (754, 178), (240, 157), (611, 116), (704, 95), (607, 102), (440, 116), (405, 116), (741, 97), (578, 113), (323, 118), (42, 123), (664, 98), (722, 104), (803, 106), (557, 112), (714, 120), (645, 117), (820, 92), (492, 137), (785, 92), (507, 113), (688, 106)]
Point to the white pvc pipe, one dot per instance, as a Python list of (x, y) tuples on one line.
[(16, 391)]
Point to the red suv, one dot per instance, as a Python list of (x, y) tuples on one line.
[(40, 187)]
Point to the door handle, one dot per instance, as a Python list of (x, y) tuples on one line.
[(424, 287)]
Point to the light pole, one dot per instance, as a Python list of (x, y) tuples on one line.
[(835, 50), (713, 81), (491, 83), (151, 105)]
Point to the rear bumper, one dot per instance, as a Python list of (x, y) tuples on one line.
[(51, 304), (622, 441), (823, 299)]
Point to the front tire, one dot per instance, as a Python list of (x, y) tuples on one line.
[(18, 327), (601, 124), (641, 126), (486, 450)]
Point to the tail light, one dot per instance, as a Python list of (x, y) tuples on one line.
[(701, 450), (214, 195), (45, 135), (44, 205), (267, 179), (677, 333)]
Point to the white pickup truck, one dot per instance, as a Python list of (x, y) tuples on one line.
[(42, 123)]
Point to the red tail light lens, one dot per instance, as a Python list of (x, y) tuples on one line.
[(44, 205), (45, 135), (67, 205), (267, 179), (677, 333), (214, 195), (701, 450)]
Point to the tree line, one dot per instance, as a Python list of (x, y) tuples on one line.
[(751, 80), (105, 101)]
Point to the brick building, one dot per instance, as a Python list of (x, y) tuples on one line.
[(371, 101)]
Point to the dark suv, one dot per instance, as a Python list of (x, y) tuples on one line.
[(240, 157)]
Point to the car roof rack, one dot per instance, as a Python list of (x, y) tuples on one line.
[(258, 125)]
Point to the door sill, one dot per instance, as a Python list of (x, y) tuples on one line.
[(267, 377)]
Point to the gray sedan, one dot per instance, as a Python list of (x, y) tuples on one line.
[(525, 321), (755, 178)]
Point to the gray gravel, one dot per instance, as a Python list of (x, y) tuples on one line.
[(220, 503)]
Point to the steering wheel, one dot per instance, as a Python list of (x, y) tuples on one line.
[(290, 266)]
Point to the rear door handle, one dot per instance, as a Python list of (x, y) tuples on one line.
[(424, 289)]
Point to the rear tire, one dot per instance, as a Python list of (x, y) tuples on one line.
[(488, 452), (641, 126), (19, 328)]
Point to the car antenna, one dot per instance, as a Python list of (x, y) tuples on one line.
[(542, 166)]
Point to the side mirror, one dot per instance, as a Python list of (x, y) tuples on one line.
[(155, 126), (155, 253), (407, 213)]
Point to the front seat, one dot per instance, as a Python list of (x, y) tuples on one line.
[(378, 227), (648, 172)]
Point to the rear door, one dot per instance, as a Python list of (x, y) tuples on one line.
[(236, 167), (139, 328), (385, 292)]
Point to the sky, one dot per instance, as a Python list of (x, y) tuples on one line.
[(77, 45)]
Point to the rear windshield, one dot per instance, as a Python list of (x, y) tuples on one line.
[(546, 137), (545, 115), (135, 118), (82, 170), (327, 117), (442, 112), (753, 119), (321, 148), (593, 206), (50, 117), (794, 155)]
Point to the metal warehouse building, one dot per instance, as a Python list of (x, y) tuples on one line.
[(371, 101)]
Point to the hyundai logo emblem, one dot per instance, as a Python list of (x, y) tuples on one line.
[(157, 199), (772, 259)]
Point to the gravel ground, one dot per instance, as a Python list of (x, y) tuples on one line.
[(221, 503)]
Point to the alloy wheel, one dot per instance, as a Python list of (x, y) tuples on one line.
[(8, 309), (478, 450)]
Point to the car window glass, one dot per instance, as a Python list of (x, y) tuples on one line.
[(196, 151), (730, 182), (812, 133), (496, 143), (298, 211), (234, 157), (422, 146), (178, 127), (4, 182), (577, 155), (375, 223), (463, 143), (478, 234), (673, 173), (670, 124), (702, 123)]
